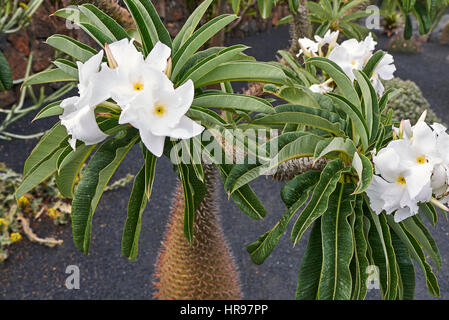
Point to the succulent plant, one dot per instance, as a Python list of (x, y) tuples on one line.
[(410, 102), (204, 269)]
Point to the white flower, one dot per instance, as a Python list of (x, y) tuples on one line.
[(352, 55), (79, 111), (384, 70), (399, 161), (132, 73), (160, 113), (330, 38), (394, 197), (400, 186), (308, 47), (349, 55), (320, 88), (440, 176)]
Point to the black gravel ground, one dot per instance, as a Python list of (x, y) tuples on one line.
[(36, 272)]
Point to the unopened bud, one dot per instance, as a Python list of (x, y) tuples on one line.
[(111, 60)]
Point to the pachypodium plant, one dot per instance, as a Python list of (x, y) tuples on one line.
[(148, 91), (362, 182)]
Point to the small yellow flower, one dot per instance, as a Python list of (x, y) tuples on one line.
[(53, 213), (3, 223), (23, 201), (15, 236)]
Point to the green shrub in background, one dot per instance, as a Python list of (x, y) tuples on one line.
[(410, 102), (397, 43)]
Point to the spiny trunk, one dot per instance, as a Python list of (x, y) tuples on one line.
[(300, 27), (205, 269)]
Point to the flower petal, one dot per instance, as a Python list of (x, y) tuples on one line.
[(82, 125), (185, 129), (158, 57), (155, 144)]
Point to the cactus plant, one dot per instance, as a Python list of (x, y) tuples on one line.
[(410, 102)]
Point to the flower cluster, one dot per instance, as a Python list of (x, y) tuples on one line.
[(412, 169), (350, 55), (140, 87)]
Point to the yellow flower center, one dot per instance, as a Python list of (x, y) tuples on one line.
[(138, 86), (421, 160), (401, 180), (353, 63), (159, 110)]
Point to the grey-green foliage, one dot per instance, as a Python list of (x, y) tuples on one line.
[(410, 102)]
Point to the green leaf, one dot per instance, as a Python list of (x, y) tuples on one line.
[(262, 248), (97, 34), (355, 115), (340, 78), (226, 101), (243, 71), (78, 50), (104, 22), (99, 171), (236, 6), (53, 109), (383, 254), (418, 230), (316, 118), (310, 271), (49, 143), (136, 206), (296, 95), (265, 7), (335, 145), (415, 250), (162, 32), (244, 197), (144, 24), (390, 93), (406, 269), (336, 233), (364, 169), (189, 27), (207, 118), (360, 251), (372, 63), (209, 63), (49, 76), (319, 201), (294, 189), (408, 29), (429, 211), (198, 39), (300, 189), (70, 167), (150, 171), (5, 74), (67, 66), (302, 146), (40, 172)]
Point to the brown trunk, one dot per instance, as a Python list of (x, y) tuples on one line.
[(203, 270), (300, 27)]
